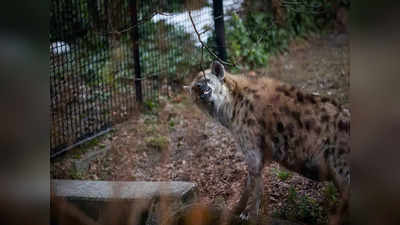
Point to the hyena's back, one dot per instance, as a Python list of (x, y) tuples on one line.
[(306, 133)]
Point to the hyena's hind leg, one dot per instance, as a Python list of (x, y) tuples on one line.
[(250, 201)]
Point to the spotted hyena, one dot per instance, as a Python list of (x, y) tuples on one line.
[(273, 121)]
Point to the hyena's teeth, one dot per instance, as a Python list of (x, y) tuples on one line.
[(206, 93)]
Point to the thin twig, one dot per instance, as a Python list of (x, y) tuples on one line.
[(205, 31), (315, 8), (204, 45), (201, 63), (140, 22)]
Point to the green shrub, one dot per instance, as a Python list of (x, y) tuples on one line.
[(158, 142), (171, 123), (151, 106), (252, 37), (241, 46), (282, 174), (331, 195)]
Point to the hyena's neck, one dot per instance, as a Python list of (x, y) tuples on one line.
[(224, 114)]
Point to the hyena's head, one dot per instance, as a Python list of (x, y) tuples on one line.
[(209, 92)]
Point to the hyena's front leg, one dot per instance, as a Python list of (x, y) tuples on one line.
[(249, 204)]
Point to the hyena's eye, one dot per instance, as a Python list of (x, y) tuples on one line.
[(207, 80)]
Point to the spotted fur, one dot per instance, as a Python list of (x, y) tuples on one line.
[(273, 121)]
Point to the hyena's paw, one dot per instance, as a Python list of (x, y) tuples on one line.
[(244, 216), (249, 214)]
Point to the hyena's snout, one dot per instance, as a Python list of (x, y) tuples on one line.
[(203, 90)]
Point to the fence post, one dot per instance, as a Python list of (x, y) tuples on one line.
[(136, 57), (218, 12)]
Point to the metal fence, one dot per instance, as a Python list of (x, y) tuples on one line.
[(106, 56)]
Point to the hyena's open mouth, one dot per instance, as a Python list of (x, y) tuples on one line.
[(204, 90), (206, 93)]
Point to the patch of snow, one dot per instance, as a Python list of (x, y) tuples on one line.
[(59, 47), (202, 18)]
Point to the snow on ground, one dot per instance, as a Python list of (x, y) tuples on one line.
[(59, 47), (202, 18)]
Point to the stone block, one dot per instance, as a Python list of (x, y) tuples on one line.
[(82, 165), (104, 200)]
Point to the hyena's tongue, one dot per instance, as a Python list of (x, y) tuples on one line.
[(206, 92)]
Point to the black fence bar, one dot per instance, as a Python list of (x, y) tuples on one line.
[(136, 55), (218, 12), (52, 155)]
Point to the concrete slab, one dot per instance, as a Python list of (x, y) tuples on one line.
[(108, 190), (101, 199), (104, 202)]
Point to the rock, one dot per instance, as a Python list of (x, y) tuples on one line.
[(167, 112), (82, 165), (252, 74)]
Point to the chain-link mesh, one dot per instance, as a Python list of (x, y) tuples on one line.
[(92, 69)]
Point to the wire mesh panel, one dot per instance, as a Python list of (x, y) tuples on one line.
[(167, 41), (91, 73), (92, 66)]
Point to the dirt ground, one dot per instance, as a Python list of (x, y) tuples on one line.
[(175, 141)]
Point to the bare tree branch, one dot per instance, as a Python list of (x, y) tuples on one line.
[(203, 45), (314, 8), (142, 21), (201, 63), (139, 22)]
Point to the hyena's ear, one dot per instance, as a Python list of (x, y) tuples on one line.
[(218, 69)]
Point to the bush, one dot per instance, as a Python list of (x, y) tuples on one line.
[(267, 27), (241, 46), (158, 143)]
